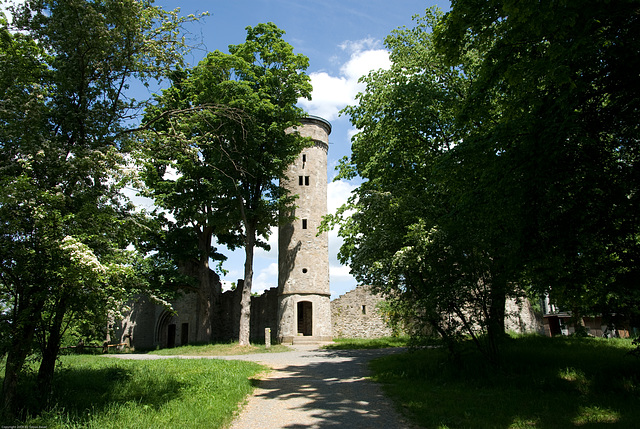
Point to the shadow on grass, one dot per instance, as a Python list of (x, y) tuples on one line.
[(542, 383), (80, 391)]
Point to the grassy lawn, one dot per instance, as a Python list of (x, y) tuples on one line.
[(542, 383), (230, 349), (361, 344), (101, 392)]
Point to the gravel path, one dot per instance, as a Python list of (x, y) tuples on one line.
[(314, 388)]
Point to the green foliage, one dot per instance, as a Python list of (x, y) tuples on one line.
[(216, 145), (217, 141), (94, 391), (407, 229), (544, 383), (499, 158), (64, 225), (563, 151)]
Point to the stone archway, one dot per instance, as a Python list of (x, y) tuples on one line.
[(305, 318), (166, 330)]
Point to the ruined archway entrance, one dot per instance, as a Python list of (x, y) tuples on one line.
[(171, 336), (305, 318), (165, 335)]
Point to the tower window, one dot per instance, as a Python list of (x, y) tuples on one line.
[(304, 271), (306, 180), (304, 224), (304, 159), (300, 180), (364, 309)]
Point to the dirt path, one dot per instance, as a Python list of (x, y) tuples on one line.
[(313, 388)]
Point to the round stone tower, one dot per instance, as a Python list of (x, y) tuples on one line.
[(304, 313)]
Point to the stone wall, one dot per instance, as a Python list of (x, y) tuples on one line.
[(304, 315), (356, 315), (150, 325), (264, 314), (520, 317), (353, 315)]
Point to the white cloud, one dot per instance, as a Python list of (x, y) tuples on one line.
[(273, 243), (352, 132), (226, 285), (361, 63), (355, 46), (266, 279), (339, 273), (332, 93), (338, 193)]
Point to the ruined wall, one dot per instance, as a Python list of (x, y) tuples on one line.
[(150, 325), (229, 314), (520, 317), (355, 315), (264, 314)]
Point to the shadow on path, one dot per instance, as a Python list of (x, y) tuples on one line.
[(320, 389)]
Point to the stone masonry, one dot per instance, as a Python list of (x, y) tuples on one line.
[(303, 254), (356, 315)]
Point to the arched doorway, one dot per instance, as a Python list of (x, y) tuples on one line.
[(305, 318), (165, 335)]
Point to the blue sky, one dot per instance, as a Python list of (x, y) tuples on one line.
[(343, 41)]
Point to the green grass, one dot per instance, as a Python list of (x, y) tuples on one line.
[(542, 383), (103, 392), (359, 343), (229, 349)]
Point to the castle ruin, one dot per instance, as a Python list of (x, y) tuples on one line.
[(298, 309)]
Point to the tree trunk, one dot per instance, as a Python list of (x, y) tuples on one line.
[(245, 302), (495, 325), (205, 304), (19, 349), (50, 352)]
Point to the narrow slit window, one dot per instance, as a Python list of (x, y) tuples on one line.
[(300, 180), (306, 180), (304, 224), (364, 309), (304, 158)]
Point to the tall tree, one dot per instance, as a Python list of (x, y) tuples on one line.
[(224, 133), (408, 231), (564, 77), (64, 225), (180, 170)]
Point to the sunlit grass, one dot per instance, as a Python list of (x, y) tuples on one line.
[(595, 414), (101, 392), (359, 343), (225, 349), (541, 383)]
